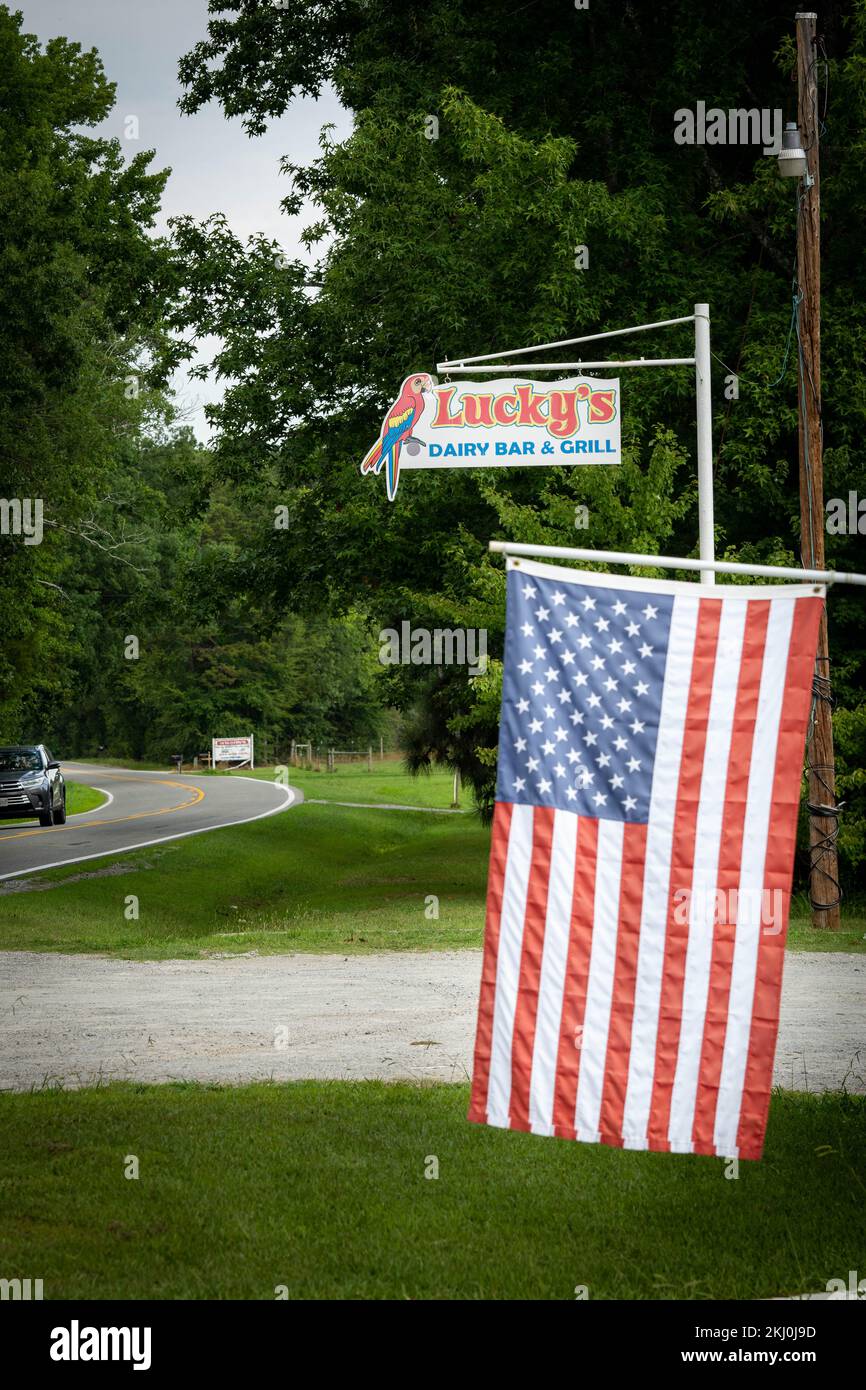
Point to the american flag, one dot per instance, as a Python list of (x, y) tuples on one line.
[(650, 760)]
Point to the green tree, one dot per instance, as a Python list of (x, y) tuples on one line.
[(83, 348), (554, 130)]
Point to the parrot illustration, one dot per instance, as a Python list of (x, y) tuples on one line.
[(397, 430)]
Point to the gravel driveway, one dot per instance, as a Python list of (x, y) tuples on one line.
[(76, 1018)]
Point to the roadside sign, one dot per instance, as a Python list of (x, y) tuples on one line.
[(232, 750)]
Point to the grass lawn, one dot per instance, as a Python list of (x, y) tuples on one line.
[(315, 878), (80, 798), (320, 1186), (386, 783)]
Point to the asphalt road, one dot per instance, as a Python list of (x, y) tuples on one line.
[(145, 808)]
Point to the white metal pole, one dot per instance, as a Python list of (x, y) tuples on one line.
[(672, 562), (566, 366), (704, 401), (563, 342)]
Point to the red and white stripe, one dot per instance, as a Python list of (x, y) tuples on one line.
[(602, 1017)]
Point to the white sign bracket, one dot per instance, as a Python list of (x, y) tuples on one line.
[(703, 398)]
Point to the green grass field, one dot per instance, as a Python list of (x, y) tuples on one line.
[(315, 878), (387, 782), (321, 1187)]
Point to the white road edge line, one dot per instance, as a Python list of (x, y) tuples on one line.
[(293, 794), (76, 815)]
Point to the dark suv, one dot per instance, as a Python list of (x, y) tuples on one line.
[(31, 784)]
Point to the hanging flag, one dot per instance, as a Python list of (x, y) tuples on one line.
[(650, 763)]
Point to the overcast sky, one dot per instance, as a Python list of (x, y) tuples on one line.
[(216, 166)]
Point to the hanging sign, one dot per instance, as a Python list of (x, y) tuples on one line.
[(508, 422)]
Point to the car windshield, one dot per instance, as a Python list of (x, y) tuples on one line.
[(20, 760)]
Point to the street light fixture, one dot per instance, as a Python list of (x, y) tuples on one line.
[(792, 157)]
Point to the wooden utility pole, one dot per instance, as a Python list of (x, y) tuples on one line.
[(824, 873)]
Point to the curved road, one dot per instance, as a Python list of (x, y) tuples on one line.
[(145, 808)]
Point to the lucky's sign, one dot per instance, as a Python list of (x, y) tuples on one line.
[(505, 422)]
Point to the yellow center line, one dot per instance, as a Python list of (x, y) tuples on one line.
[(198, 795)]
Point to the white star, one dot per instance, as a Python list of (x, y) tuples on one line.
[(576, 717), (559, 734), (549, 711), (620, 744), (572, 756), (528, 591), (611, 684), (565, 697), (588, 603), (520, 744), (645, 649), (603, 759), (633, 764), (641, 688), (537, 688), (598, 663), (633, 629), (559, 770), (630, 803), (601, 624), (623, 705), (518, 784), (581, 678), (571, 793), (528, 630), (606, 722), (554, 635), (544, 786), (547, 748), (619, 607), (589, 738), (571, 620), (532, 764), (522, 706), (536, 726), (616, 781), (614, 647), (583, 642), (628, 668), (551, 674), (600, 799), (593, 701), (650, 612), (636, 726), (558, 598), (568, 658), (539, 653), (542, 614), (525, 667)]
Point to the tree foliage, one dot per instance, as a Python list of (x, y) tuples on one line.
[(553, 130)]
